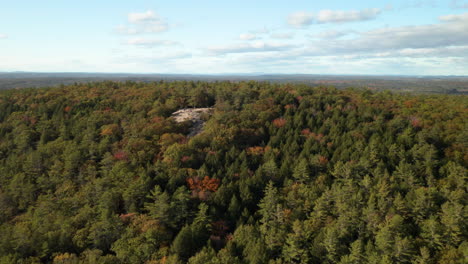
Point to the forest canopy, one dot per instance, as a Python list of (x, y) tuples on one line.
[(281, 173)]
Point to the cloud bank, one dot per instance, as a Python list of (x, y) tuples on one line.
[(437, 47), (302, 18)]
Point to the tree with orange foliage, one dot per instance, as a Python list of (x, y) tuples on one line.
[(109, 130), (67, 109), (279, 122), (202, 188)]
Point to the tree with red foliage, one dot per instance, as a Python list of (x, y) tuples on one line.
[(202, 188)]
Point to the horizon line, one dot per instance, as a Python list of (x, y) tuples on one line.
[(238, 74)]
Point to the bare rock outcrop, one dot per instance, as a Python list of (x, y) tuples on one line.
[(194, 115)]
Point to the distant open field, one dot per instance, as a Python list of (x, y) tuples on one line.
[(427, 84)]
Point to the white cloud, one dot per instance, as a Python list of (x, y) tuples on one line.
[(454, 18), (282, 35), (151, 42), (447, 39), (148, 16), (146, 22), (453, 31), (440, 48), (3, 36), (258, 46), (294, 61), (331, 16), (302, 19), (247, 36), (441, 52), (332, 34)]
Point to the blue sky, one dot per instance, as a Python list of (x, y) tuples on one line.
[(412, 37)]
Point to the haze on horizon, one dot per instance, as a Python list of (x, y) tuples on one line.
[(210, 37)]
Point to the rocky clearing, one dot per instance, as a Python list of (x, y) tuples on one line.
[(194, 115)]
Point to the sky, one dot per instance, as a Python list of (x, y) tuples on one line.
[(368, 37)]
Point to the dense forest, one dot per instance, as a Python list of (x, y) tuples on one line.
[(281, 173)]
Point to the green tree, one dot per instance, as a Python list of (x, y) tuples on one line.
[(272, 222), (301, 172), (160, 208)]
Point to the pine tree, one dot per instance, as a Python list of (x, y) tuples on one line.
[(332, 244), (159, 209), (179, 206), (234, 208), (183, 244), (452, 219), (431, 232), (301, 172), (295, 249), (206, 256), (272, 218)]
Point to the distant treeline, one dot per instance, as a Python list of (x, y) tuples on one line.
[(444, 85)]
